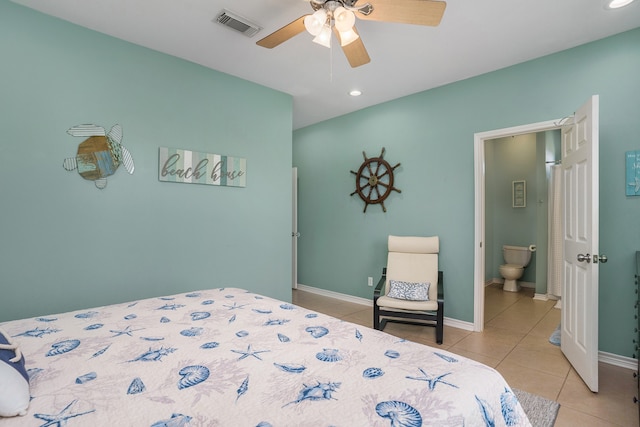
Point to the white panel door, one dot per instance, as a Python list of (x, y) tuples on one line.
[(579, 336)]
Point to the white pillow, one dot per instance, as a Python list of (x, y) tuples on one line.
[(409, 290), (14, 393)]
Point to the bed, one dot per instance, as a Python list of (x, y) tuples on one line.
[(229, 357)]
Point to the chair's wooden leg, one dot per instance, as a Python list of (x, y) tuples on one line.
[(440, 323)]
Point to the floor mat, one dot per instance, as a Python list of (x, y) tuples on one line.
[(555, 336), (542, 412)]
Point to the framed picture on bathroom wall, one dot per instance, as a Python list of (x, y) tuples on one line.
[(519, 194)]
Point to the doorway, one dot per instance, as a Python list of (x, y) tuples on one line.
[(522, 163), (480, 252)]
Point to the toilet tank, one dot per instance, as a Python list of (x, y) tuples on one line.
[(518, 255)]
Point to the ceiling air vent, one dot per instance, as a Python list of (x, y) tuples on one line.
[(238, 23)]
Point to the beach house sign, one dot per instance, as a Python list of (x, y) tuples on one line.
[(193, 167)]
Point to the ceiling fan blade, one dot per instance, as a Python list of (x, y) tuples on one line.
[(417, 12), (283, 34), (355, 51)]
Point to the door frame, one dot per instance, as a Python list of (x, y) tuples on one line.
[(294, 228), (479, 186)]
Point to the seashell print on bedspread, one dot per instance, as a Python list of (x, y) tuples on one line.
[(230, 357)]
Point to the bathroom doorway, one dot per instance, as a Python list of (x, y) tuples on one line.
[(517, 203), (521, 142)]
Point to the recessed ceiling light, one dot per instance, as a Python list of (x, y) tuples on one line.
[(355, 92), (616, 4)]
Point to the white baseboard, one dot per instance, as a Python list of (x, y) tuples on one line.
[(500, 281), (617, 360), (604, 357), (527, 284), (455, 323), (337, 295)]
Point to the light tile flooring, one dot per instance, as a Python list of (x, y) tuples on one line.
[(515, 342)]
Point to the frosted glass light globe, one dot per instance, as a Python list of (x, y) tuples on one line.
[(345, 19), (347, 37), (314, 23), (324, 36)]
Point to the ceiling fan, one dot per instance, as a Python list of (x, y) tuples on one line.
[(339, 16)]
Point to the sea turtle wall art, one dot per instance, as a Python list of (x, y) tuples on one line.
[(100, 154)]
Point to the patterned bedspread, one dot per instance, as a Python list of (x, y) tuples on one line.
[(228, 357)]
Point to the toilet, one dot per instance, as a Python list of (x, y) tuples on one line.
[(516, 258)]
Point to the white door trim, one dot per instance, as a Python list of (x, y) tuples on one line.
[(479, 162), (294, 230)]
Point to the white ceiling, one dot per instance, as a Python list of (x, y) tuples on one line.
[(474, 37)]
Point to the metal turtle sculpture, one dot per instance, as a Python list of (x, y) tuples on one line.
[(100, 154)]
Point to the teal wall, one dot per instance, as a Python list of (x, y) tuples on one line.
[(66, 244), (431, 134)]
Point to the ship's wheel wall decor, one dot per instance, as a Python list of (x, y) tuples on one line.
[(374, 180)]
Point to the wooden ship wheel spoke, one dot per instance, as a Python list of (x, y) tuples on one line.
[(374, 180)]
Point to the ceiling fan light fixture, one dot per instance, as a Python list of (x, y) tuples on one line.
[(344, 19), (314, 23), (338, 16), (347, 37), (324, 36)]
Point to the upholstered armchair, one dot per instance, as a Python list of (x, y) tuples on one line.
[(411, 287)]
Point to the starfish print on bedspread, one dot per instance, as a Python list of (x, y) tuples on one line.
[(60, 419), (249, 352), (234, 306), (126, 331), (432, 380)]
